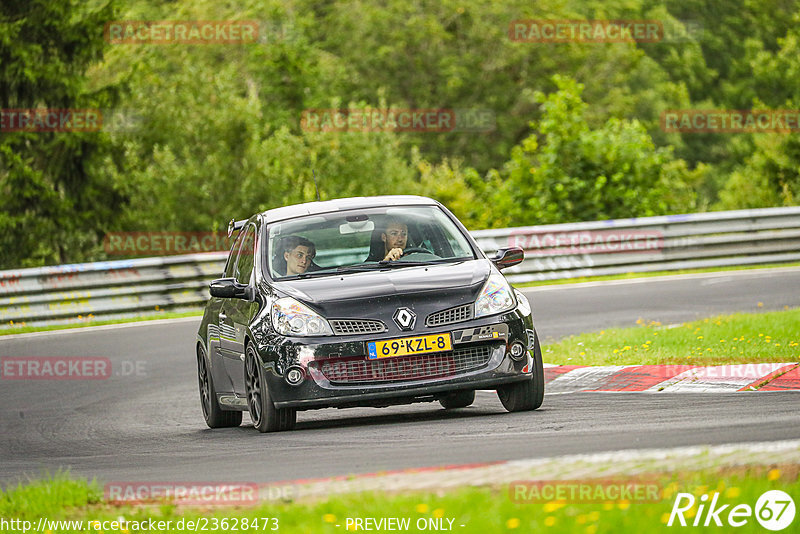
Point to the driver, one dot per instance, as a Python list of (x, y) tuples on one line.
[(298, 252), (395, 239)]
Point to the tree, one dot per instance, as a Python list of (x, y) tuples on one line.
[(566, 171), (54, 203), (770, 175)]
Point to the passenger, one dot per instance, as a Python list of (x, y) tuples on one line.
[(299, 254)]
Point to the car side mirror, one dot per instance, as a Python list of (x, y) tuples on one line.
[(507, 257), (228, 288)]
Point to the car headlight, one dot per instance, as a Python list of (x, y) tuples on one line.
[(495, 297), (293, 318)]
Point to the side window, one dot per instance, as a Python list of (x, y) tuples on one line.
[(231, 264), (244, 263)]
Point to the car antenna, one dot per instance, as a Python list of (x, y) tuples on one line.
[(316, 188)]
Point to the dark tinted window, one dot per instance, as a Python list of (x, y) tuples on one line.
[(244, 262), (230, 266)]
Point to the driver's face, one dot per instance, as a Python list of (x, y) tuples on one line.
[(298, 260), (395, 236)]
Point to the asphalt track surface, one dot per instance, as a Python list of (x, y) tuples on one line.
[(144, 422)]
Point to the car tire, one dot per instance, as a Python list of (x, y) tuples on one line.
[(265, 416), (459, 399), (213, 413), (528, 394)]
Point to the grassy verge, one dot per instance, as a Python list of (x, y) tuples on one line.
[(738, 338), (88, 321), (628, 276), (472, 509)]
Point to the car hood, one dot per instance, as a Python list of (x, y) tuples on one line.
[(374, 294)]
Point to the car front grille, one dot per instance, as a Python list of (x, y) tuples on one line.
[(450, 315), (405, 368), (343, 327)]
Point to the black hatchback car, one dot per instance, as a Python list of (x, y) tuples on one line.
[(362, 302)]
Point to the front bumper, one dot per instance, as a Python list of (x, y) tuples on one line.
[(340, 374)]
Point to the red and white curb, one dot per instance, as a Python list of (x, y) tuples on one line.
[(672, 378)]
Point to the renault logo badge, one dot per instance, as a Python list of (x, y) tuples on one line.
[(405, 318)]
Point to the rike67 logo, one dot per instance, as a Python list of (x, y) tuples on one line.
[(774, 510)]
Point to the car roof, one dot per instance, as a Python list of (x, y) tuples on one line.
[(340, 204)]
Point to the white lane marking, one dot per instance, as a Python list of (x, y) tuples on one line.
[(666, 278), (720, 280), (82, 329)]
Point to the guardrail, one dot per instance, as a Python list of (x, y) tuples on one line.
[(665, 243), (148, 286)]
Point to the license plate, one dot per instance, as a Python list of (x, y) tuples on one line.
[(409, 345)]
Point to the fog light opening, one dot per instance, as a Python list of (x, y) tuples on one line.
[(517, 351), (294, 375)]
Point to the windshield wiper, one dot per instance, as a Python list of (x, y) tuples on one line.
[(397, 263), (359, 267), (403, 263), (308, 274), (379, 266), (388, 264)]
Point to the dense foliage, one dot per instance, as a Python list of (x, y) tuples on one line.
[(195, 134)]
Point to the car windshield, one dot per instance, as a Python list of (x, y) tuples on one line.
[(364, 240)]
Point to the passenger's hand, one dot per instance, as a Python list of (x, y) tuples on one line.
[(394, 254)]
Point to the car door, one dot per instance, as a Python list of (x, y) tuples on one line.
[(220, 329), (236, 313)]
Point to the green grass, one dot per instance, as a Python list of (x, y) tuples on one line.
[(478, 509), (88, 321), (42, 497), (739, 338), (628, 276)]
